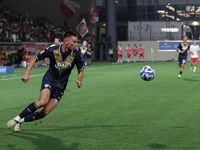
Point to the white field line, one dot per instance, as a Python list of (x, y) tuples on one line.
[(72, 71)]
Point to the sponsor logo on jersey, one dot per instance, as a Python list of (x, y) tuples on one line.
[(62, 65)]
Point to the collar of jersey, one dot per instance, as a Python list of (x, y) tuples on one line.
[(61, 50)]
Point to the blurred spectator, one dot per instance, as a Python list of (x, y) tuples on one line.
[(20, 54), (26, 58), (1, 60), (22, 28)]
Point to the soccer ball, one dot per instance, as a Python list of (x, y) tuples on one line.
[(147, 73)]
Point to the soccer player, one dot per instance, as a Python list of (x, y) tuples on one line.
[(26, 58), (83, 49), (128, 50), (182, 49), (89, 53), (135, 52), (111, 53), (56, 42), (119, 53), (194, 57), (141, 52), (62, 61)]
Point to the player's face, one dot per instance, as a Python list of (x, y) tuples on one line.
[(84, 43), (72, 42), (194, 42), (56, 41), (185, 39)]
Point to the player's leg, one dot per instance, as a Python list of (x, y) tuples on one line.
[(42, 101), (121, 58), (118, 58), (192, 63), (52, 103), (195, 67), (181, 71), (89, 61)]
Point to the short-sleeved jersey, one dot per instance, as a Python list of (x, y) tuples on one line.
[(141, 50), (61, 64), (89, 50), (83, 51), (128, 50), (134, 49), (195, 49), (26, 58), (183, 47), (119, 50)]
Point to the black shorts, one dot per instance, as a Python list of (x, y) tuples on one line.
[(56, 91), (182, 60), (88, 56)]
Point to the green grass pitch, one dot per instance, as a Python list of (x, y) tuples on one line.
[(114, 110)]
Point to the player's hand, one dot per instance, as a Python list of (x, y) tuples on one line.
[(25, 78), (181, 51), (78, 83)]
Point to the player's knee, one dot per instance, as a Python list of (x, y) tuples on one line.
[(41, 103)]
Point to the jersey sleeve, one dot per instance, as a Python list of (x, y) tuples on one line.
[(79, 62), (43, 54), (179, 46)]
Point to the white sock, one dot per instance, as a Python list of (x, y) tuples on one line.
[(22, 120), (118, 61), (17, 118), (190, 67), (121, 61), (195, 68)]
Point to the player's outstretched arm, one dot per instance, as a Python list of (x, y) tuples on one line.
[(25, 77), (80, 77)]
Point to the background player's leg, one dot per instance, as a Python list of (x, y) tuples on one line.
[(89, 61), (192, 62), (181, 71), (195, 67)]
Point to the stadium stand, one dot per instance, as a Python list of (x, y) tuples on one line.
[(22, 28)]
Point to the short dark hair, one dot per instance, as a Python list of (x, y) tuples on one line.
[(69, 34), (57, 38)]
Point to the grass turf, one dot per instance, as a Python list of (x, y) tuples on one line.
[(114, 110)]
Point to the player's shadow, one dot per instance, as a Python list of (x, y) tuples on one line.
[(68, 128), (187, 79), (41, 141), (157, 146)]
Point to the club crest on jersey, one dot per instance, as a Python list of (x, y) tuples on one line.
[(62, 65)]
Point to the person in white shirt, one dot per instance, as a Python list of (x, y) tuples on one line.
[(194, 57), (56, 42)]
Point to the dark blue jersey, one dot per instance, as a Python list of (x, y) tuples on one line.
[(89, 50), (61, 64), (183, 47), (83, 51)]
